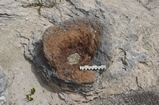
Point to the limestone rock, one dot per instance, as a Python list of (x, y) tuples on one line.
[(3, 88), (133, 98), (124, 45), (128, 48), (71, 98)]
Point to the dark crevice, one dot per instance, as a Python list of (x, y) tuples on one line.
[(145, 5), (78, 9), (137, 83)]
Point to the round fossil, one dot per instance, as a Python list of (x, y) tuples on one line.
[(67, 49), (70, 45), (73, 58)]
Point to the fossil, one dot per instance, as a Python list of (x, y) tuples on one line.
[(70, 45), (65, 51)]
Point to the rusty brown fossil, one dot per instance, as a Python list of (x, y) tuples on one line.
[(70, 45)]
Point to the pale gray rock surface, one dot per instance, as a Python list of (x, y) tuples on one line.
[(131, 46), (3, 88)]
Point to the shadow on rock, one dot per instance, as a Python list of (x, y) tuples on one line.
[(48, 86), (133, 98)]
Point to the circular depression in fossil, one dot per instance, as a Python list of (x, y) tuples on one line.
[(70, 45)]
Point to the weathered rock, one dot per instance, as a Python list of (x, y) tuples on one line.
[(132, 98), (71, 98), (3, 88), (122, 49), (129, 46)]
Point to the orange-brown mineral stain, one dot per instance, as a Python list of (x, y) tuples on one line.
[(59, 42)]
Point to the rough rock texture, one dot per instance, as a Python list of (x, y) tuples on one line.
[(3, 88), (130, 43), (71, 98), (133, 98)]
